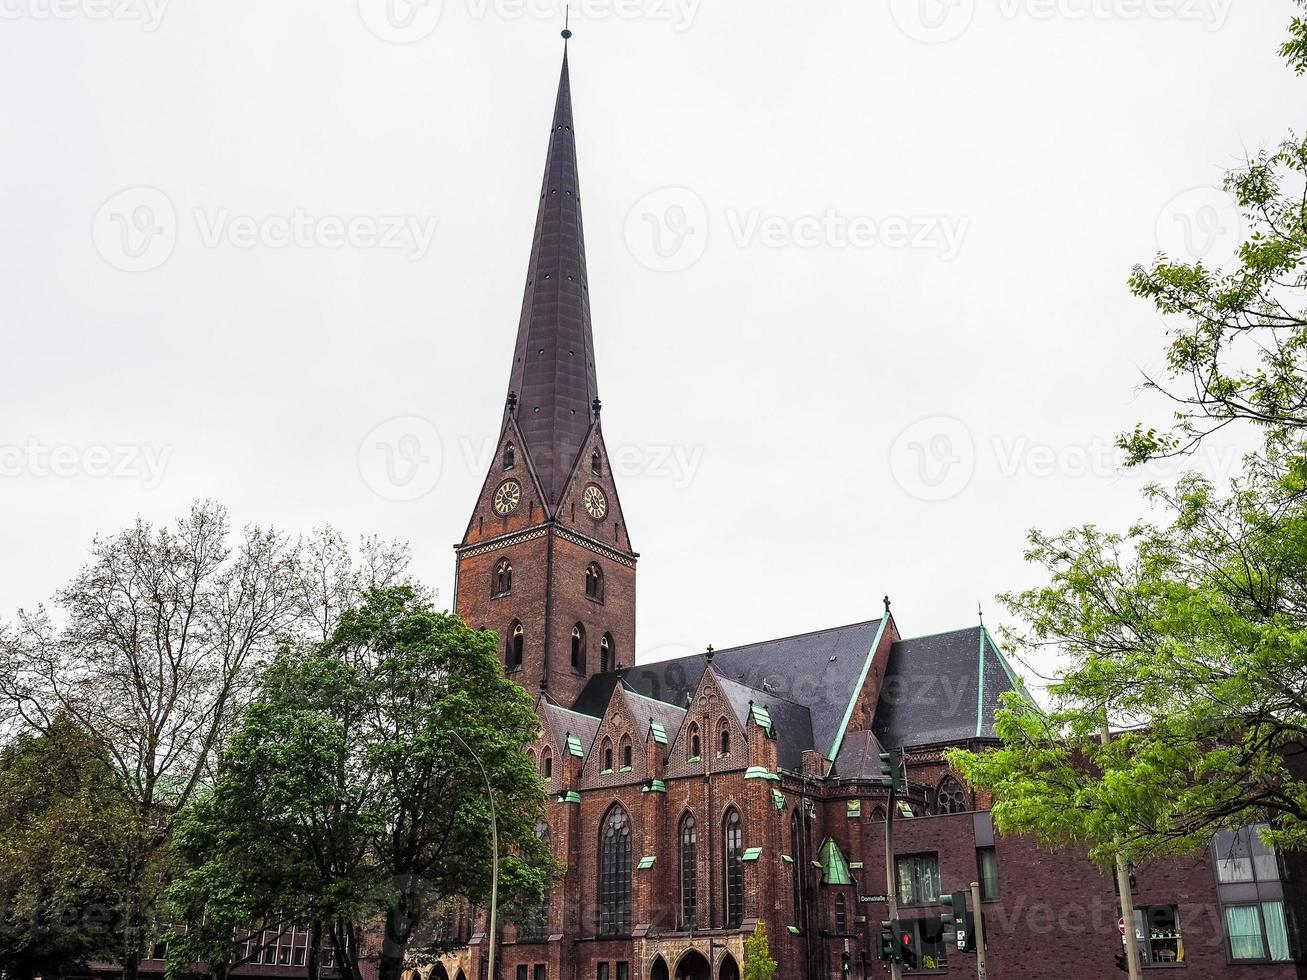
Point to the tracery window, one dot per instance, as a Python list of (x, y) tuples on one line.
[(689, 873), (615, 873), (733, 838), (951, 797), (501, 580), (594, 582), (578, 647)]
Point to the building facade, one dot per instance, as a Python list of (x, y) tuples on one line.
[(693, 799)]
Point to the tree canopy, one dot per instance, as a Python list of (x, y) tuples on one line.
[(344, 797)]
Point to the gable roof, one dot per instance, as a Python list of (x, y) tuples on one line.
[(791, 722), (859, 757), (816, 672), (561, 723), (942, 688)]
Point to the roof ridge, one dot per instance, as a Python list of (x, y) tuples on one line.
[(775, 639), (931, 636)]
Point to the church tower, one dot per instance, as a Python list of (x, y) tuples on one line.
[(546, 561)]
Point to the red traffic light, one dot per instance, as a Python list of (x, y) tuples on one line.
[(907, 939)]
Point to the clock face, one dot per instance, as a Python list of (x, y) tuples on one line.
[(507, 497), (596, 504)]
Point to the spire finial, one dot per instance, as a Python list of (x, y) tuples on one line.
[(887, 603), (980, 611), (710, 653), (567, 24)]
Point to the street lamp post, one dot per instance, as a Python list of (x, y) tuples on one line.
[(494, 861)]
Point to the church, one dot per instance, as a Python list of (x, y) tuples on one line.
[(693, 799)]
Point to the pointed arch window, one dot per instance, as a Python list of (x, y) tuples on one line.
[(607, 754), (950, 797), (723, 739), (513, 646), (628, 752), (501, 580), (799, 851), (596, 464), (615, 873), (510, 457), (695, 747), (578, 647), (547, 761), (689, 873), (594, 582), (606, 654), (733, 850)]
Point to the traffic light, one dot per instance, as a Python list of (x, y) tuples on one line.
[(887, 931), (907, 945), (844, 963), (957, 921), (893, 763)]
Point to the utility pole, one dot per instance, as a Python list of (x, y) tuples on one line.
[(982, 971), (1133, 966)]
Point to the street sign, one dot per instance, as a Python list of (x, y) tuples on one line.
[(1120, 925), (873, 898)]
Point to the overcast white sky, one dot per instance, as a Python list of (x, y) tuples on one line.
[(858, 273)]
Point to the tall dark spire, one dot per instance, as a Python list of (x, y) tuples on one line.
[(553, 364)]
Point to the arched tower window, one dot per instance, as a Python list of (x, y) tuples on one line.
[(628, 752), (723, 738), (951, 797), (513, 646), (694, 741), (607, 755), (799, 851), (594, 582), (596, 464), (733, 841), (689, 873), (547, 762), (578, 647), (510, 457), (615, 873), (606, 654), (501, 581)]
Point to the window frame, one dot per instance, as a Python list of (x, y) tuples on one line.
[(915, 896), (733, 860), (688, 840), (615, 872), (1260, 907), (990, 891)]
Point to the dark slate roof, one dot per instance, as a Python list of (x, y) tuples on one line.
[(859, 757), (942, 688), (553, 362), (563, 722), (792, 723), (819, 671), (646, 710)]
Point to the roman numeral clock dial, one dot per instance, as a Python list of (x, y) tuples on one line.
[(596, 504), (507, 497)]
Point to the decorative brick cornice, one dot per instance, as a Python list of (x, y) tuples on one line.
[(530, 534)]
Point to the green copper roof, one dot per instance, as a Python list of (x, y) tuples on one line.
[(574, 746), (834, 869), (646, 863), (753, 853), (659, 732), (762, 718), (571, 796), (778, 798), (758, 772), (656, 786)]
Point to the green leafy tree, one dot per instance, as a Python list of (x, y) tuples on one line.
[(64, 830), (154, 648), (758, 962), (345, 800), (1238, 352), (1189, 633)]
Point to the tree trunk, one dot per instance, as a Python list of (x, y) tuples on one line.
[(313, 955)]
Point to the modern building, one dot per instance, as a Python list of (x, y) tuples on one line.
[(692, 799)]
